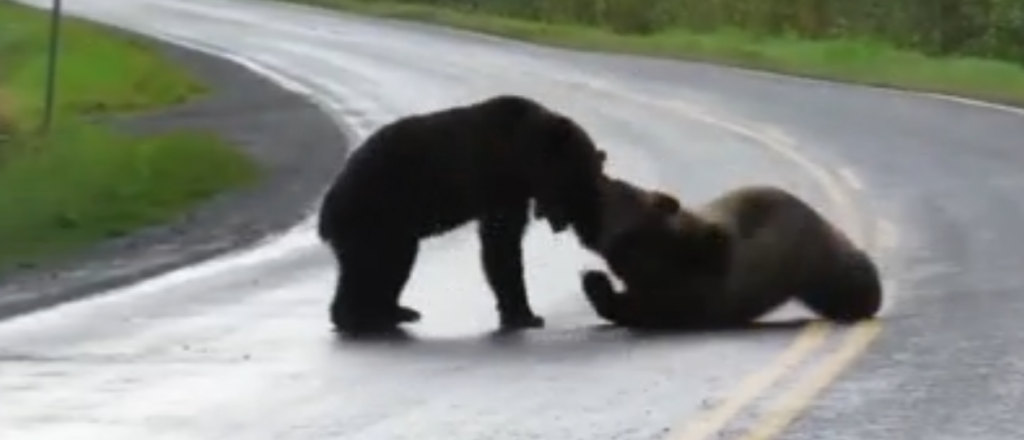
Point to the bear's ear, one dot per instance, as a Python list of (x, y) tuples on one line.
[(663, 202)]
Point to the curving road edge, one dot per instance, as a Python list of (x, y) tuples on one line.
[(298, 144), (938, 179)]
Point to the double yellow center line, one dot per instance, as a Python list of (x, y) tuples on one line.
[(783, 411)]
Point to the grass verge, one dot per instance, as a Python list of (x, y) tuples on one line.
[(855, 61), (84, 181)]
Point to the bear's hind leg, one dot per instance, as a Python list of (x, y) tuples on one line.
[(393, 278), (370, 281), (852, 292)]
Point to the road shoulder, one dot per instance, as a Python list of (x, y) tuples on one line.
[(296, 143)]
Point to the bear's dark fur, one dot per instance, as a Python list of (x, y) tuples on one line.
[(641, 236), (427, 174), (730, 262)]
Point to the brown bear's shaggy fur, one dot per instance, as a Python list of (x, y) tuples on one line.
[(427, 174), (732, 261), (641, 236)]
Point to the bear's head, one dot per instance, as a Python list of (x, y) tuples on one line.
[(565, 169), (668, 245)]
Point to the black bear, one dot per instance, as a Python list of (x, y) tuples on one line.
[(730, 262), (427, 174)]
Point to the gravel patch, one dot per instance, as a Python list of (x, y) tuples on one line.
[(299, 146)]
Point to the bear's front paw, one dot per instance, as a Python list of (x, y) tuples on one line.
[(596, 282), (515, 321), (362, 327), (407, 314)]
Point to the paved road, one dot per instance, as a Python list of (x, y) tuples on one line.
[(239, 348)]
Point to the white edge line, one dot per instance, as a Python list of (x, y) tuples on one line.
[(853, 86)]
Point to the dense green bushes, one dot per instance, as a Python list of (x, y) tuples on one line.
[(984, 28)]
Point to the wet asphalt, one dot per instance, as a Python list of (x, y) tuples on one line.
[(239, 348)]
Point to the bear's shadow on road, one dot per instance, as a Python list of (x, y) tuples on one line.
[(550, 343)]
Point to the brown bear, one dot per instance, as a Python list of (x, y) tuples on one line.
[(728, 263), (427, 174), (639, 235)]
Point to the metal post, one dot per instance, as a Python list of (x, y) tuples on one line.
[(51, 68)]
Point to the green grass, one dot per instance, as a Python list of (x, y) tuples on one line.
[(85, 182), (864, 62)]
